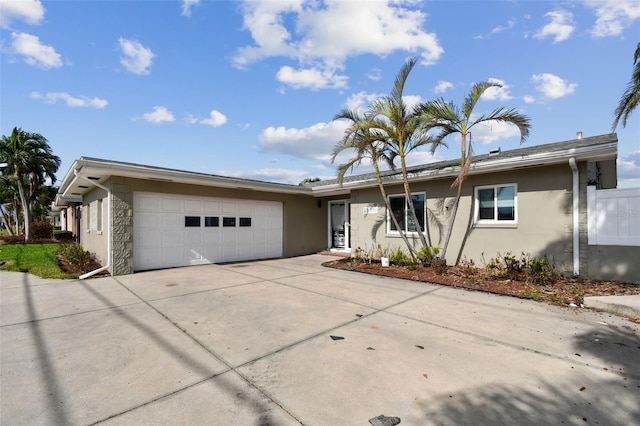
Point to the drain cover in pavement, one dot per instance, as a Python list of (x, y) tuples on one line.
[(383, 420)]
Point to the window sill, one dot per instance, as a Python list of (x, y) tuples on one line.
[(512, 225)]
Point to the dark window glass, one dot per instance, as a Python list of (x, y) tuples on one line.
[(211, 221), (506, 203), (397, 209), (418, 207), (192, 221), (245, 221), (486, 208), (228, 221)]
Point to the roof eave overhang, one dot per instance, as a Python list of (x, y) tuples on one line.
[(100, 171), (598, 152)]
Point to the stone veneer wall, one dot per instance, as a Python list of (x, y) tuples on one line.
[(122, 229)]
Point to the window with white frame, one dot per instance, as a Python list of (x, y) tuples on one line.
[(496, 204), (400, 209), (94, 216)]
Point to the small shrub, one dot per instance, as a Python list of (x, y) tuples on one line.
[(524, 268), (400, 258), (427, 255), (77, 256), (13, 239), (62, 235), (468, 266), (42, 230)]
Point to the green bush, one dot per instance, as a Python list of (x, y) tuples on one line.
[(12, 239), (427, 255), (524, 268), (77, 256), (400, 258), (42, 230), (62, 235)]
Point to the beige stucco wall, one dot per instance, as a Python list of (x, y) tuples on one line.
[(305, 222), (92, 240), (544, 217)]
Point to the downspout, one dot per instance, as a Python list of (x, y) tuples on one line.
[(108, 265), (576, 217)]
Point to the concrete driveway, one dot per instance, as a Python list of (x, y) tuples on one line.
[(286, 342)]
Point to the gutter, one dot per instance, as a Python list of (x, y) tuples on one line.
[(576, 216), (109, 255)]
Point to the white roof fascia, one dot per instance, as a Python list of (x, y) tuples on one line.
[(106, 169), (592, 153)]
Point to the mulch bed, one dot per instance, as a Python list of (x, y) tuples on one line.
[(69, 268), (560, 291)]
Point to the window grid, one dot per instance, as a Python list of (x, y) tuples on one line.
[(496, 204), (400, 209)]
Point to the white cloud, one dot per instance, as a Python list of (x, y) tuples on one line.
[(135, 57), (35, 53), (552, 86), (159, 115), (29, 11), (411, 100), (311, 78), (497, 93), (500, 28), (443, 86), (613, 16), (289, 176), (361, 101), (187, 5), (529, 99), (489, 132), (375, 74), (322, 35), (560, 28), (315, 142), (216, 119), (71, 101), (629, 169)]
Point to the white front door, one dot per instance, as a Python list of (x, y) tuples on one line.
[(339, 226)]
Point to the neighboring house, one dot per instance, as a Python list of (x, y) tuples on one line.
[(530, 200)]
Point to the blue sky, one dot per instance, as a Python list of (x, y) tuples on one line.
[(250, 88)]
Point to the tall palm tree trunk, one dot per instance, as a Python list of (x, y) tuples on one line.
[(407, 192), (25, 209), (412, 250)]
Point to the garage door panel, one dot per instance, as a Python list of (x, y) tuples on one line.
[(170, 204), (162, 240)]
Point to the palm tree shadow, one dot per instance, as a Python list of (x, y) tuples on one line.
[(541, 403), (54, 394), (204, 370), (57, 397), (610, 401)]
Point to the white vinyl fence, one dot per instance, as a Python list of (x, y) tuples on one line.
[(613, 216)]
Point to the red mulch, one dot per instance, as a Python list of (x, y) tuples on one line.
[(73, 269), (559, 291)]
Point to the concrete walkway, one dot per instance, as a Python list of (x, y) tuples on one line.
[(288, 342)]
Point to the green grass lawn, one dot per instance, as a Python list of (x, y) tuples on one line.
[(36, 259)]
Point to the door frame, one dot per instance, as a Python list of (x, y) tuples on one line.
[(347, 225)]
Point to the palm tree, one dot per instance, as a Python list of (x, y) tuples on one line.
[(365, 145), (9, 203), (28, 157), (450, 119), (401, 129), (631, 96)]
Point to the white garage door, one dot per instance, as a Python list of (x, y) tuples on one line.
[(172, 230)]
